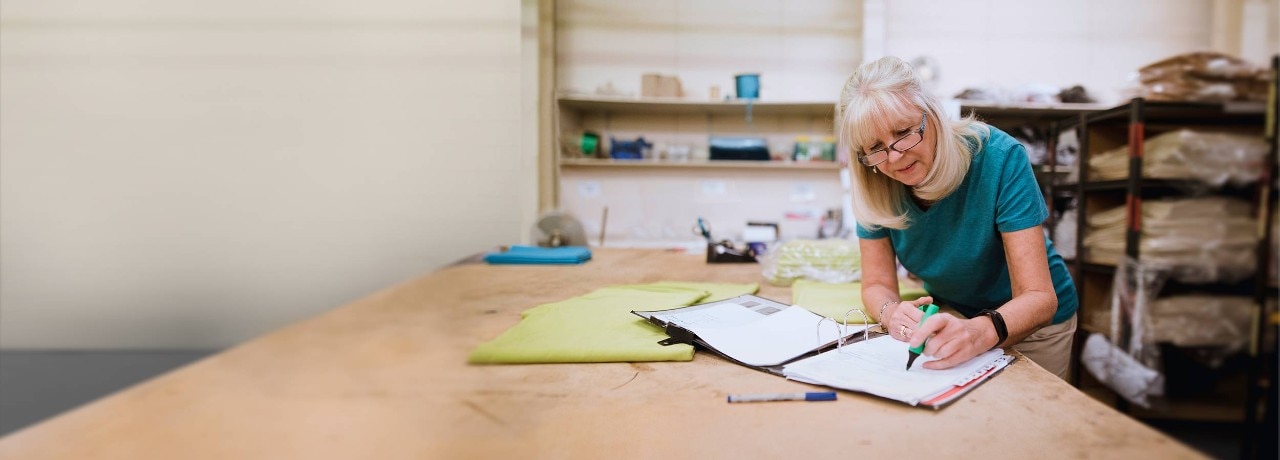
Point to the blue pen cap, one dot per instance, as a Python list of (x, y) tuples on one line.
[(827, 396)]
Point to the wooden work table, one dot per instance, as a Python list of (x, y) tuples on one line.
[(386, 377)]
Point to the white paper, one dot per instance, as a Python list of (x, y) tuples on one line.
[(773, 339), (726, 314), (757, 331), (877, 366)]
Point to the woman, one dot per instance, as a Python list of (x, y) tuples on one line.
[(956, 202)]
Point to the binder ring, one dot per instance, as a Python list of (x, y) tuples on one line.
[(866, 321), (842, 327)]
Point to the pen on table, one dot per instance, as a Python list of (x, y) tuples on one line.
[(765, 397), (914, 352)]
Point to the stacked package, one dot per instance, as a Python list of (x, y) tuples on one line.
[(1198, 240), (1213, 158), (1203, 77)]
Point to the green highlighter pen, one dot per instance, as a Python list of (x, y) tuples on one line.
[(914, 352)]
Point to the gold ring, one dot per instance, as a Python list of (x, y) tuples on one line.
[(903, 331)]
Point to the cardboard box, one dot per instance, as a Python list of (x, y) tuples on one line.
[(657, 85)]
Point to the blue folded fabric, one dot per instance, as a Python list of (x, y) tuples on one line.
[(540, 255)]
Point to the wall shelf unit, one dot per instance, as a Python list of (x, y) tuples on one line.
[(658, 197), (662, 105)]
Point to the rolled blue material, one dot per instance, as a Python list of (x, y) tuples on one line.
[(532, 255)]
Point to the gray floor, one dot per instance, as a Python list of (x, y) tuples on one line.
[(37, 385)]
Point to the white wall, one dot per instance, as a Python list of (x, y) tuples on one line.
[(803, 51), (1008, 44), (185, 174), (658, 208)]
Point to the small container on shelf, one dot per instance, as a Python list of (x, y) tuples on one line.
[(807, 149), (629, 150)]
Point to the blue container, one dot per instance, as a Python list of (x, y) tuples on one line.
[(628, 150), (748, 85)]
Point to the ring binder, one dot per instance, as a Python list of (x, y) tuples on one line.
[(677, 335), (772, 337)]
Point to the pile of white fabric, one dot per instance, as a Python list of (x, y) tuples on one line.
[(1197, 240), (1212, 158)]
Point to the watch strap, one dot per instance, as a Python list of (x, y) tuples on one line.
[(1002, 331)]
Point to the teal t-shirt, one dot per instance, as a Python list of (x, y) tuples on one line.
[(955, 245)]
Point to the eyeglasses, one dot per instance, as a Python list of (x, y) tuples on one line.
[(900, 145)]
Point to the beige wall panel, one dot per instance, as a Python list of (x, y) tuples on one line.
[(191, 175)]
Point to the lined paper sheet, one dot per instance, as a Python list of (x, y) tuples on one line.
[(877, 366)]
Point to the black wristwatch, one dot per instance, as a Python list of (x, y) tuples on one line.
[(1002, 331)]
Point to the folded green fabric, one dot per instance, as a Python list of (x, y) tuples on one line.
[(834, 300), (599, 326), (715, 291)]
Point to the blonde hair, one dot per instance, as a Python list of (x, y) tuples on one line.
[(873, 101)]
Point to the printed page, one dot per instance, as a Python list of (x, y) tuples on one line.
[(877, 366), (773, 339)]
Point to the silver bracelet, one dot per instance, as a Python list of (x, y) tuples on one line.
[(882, 307)]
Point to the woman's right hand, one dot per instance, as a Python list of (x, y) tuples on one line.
[(902, 317)]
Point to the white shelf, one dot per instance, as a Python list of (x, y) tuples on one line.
[(1055, 169), (1030, 108), (694, 164), (693, 106)]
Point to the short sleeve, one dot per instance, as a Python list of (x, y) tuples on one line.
[(866, 234), (1019, 204)]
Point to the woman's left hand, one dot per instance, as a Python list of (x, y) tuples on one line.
[(953, 340)]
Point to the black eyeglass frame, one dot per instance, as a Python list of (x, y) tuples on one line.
[(884, 152)]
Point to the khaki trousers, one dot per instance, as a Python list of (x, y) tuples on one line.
[(1050, 347)]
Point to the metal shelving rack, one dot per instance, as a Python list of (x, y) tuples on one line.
[(1130, 124), (1261, 406)]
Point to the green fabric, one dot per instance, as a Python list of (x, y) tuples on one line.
[(834, 300), (715, 291), (599, 326)]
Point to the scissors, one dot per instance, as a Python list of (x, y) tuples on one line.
[(703, 229)]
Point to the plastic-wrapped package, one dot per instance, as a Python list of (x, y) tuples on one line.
[(1213, 158), (1203, 76), (1064, 234), (1126, 360), (828, 261), (1119, 371), (1204, 239), (1143, 325), (1202, 321), (1067, 149)]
